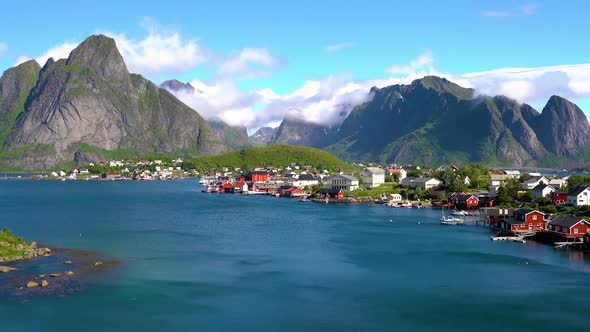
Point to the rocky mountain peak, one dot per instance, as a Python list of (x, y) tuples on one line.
[(175, 85), (99, 54)]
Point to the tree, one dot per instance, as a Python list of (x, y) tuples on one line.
[(503, 196)]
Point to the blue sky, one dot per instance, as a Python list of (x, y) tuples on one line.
[(310, 56)]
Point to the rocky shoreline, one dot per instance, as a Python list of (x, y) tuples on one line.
[(60, 273), (28, 251)]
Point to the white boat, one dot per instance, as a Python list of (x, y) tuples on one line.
[(451, 220), (303, 199), (209, 189), (406, 204), (458, 213)]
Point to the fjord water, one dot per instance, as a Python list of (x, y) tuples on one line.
[(212, 262)]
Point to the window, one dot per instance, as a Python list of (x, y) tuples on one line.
[(575, 230)]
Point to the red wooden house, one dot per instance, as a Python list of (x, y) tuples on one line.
[(331, 194), (227, 187), (524, 220), (464, 201), (568, 227), (258, 176), (558, 198), (292, 192)]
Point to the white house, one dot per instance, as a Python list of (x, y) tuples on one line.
[(579, 196), (534, 181), (305, 180), (423, 183), (373, 177), (402, 172), (542, 190), (341, 181), (558, 183), (495, 181), (512, 173)]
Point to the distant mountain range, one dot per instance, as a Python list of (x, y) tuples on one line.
[(88, 108), (435, 121)]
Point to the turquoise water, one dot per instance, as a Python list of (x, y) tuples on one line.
[(207, 262)]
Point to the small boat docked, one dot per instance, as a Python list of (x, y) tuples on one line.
[(450, 220), (458, 213)]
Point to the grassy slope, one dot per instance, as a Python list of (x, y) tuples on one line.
[(276, 155), (11, 251)]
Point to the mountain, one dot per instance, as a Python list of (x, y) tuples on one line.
[(433, 120), (88, 106), (298, 132), (234, 138), (177, 86), (263, 136)]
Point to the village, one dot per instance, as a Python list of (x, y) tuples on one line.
[(515, 205)]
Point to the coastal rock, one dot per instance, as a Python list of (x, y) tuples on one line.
[(55, 275), (4, 244), (68, 262), (20, 246), (69, 273), (99, 263), (6, 269), (32, 284), (44, 283), (41, 276), (34, 245)]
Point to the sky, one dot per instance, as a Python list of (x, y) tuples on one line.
[(254, 62)]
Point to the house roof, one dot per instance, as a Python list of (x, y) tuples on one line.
[(375, 170), (500, 177), (542, 186), (306, 177), (576, 190), (524, 211), (565, 221), (534, 179), (348, 177), (424, 180), (513, 221)]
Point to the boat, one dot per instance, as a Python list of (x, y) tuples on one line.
[(450, 220), (406, 204), (458, 213), (209, 189), (303, 199)]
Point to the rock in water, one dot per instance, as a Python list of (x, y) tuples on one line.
[(5, 269), (68, 262), (44, 283), (99, 263), (32, 284)]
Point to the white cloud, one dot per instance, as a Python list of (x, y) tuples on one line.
[(338, 47), (161, 51), (422, 62), (58, 52), (524, 10), (249, 63), (222, 100)]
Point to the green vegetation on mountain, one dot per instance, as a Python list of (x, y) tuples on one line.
[(276, 155), (434, 121), (92, 102)]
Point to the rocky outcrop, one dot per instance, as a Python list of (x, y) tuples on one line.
[(297, 132), (562, 127), (177, 86), (234, 138), (263, 136), (90, 99)]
